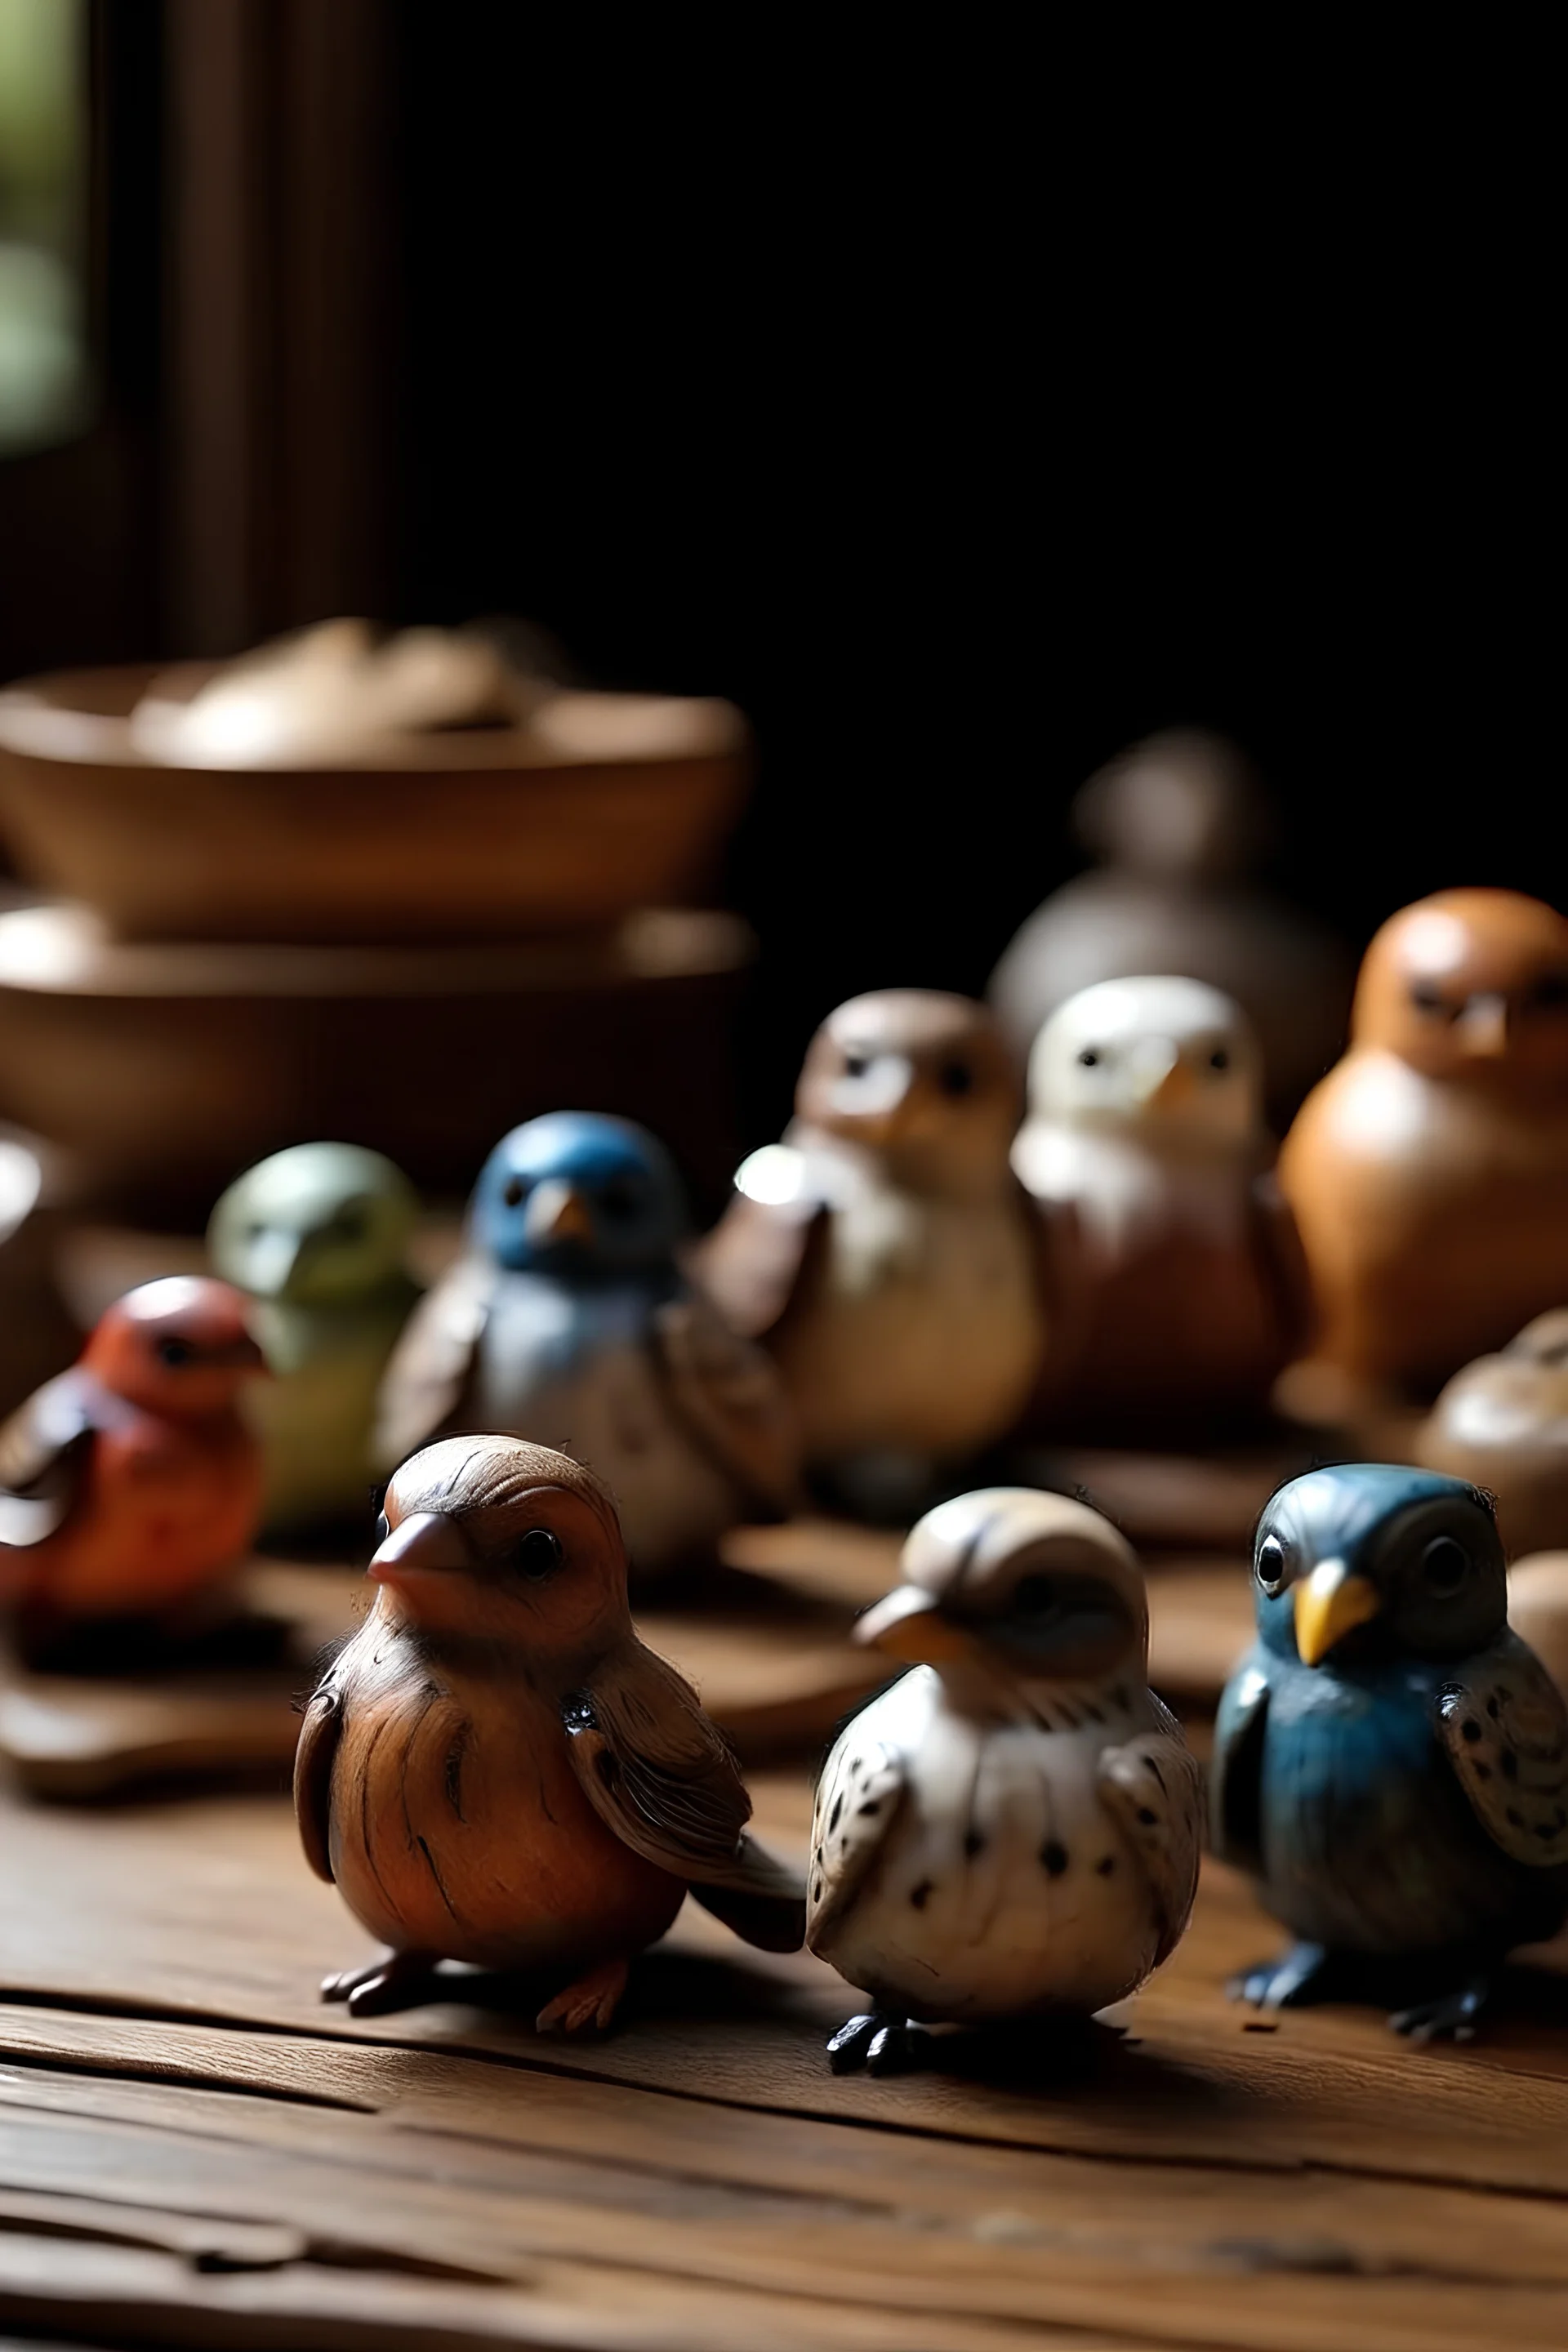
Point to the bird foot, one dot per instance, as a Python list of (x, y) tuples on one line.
[(398, 1980), (882, 2044), (592, 2001), (1302, 1975), (1450, 2018)]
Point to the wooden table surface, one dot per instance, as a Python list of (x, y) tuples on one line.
[(196, 2152)]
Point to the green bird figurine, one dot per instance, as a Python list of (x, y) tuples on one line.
[(1390, 1761), (317, 1236)]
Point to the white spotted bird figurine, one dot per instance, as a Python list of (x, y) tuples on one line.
[(1012, 1830), (496, 1771)]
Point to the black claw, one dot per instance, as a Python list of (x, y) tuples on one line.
[(1301, 1975), (847, 2049), (896, 2050), (1452, 2018)]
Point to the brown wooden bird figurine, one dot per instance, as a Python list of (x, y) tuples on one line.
[(1502, 1423), (884, 1250), (1428, 1172), (130, 1485), (495, 1771)]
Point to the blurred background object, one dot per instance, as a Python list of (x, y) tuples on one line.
[(39, 1336), (1179, 826), (44, 373)]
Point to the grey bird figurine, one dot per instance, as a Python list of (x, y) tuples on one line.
[(1391, 1761), (1013, 1829), (568, 1322)]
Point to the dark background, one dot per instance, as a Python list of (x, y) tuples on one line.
[(963, 411)]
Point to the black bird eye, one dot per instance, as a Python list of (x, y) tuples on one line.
[(1089, 1056), (1273, 1565), (514, 1191), (538, 1554), (856, 1065), (1425, 998), (1220, 1058), (381, 1530), (175, 1351), (1550, 991), (955, 1078), (1033, 1596), (1445, 1565), (621, 1199)]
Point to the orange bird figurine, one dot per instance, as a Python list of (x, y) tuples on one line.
[(1428, 1172), (130, 1485), (495, 1771)]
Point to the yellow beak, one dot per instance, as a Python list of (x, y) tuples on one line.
[(909, 1624), (557, 1211), (1328, 1605), (1175, 1086)]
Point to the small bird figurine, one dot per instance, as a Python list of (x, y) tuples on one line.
[(1390, 1761), (1179, 825), (495, 1771), (1428, 1172), (885, 1251), (568, 1322), (1502, 1422), (1189, 1292), (317, 1236), (130, 1485), (1013, 1829)]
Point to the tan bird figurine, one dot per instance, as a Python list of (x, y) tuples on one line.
[(884, 1250), (1188, 1293), (495, 1771), (1502, 1423), (1428, 1172), (1013, 1829)]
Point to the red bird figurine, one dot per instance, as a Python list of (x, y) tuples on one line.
[(130, 1485)]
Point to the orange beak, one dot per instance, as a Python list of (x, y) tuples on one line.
[(909, 1625), (557, 1213)]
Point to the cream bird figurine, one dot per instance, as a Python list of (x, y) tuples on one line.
[(884, 1251), (1145, 1140), (495, 1771), (1013, 1829)]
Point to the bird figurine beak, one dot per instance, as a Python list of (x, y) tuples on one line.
[(909, 1625), (271, 1261), (1172, 1088), (1483, 1028), (557, 1213), (424, 1545), (1328, 1606)]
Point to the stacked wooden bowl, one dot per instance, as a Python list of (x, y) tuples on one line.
[(412, 951)]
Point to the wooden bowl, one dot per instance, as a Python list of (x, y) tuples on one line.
[(599, 804), (163, 1070)]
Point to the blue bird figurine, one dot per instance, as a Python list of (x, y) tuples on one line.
[(568, 1322), (1391, 1760)]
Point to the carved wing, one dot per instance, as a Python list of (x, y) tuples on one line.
[(727, 1394), (1505, 1729), (857, 1800), (428, 1375), (1236, 1767), (761, 1252), (1153, 1787), (314, 1760), (664, 1778), (44, 1450)]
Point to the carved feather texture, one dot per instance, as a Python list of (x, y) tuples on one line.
[(1505, 1729)]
